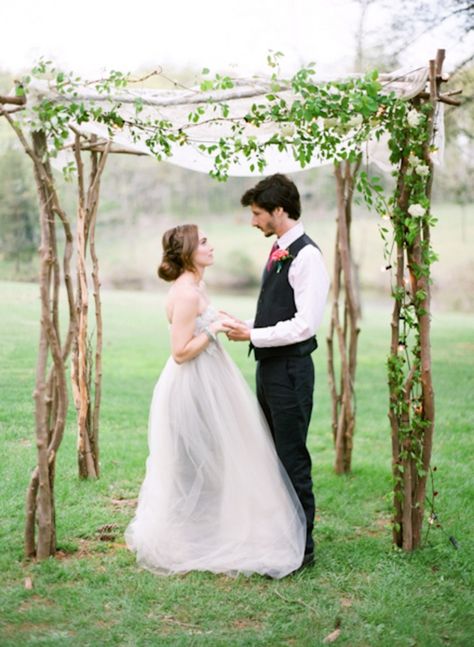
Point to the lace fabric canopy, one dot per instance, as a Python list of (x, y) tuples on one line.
[(176, 105)]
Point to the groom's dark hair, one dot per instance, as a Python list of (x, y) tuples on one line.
[(273, 192)]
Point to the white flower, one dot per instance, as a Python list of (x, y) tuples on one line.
[(356, 121), (422, 169), (413, 118), (413, 160), (287, 130), (331, 122), (416, 210)]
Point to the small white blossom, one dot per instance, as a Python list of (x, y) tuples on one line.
[(331, 122), (413, 160), (416, 210), (356, 121), (422, 169), (287, 130), (413, 118)]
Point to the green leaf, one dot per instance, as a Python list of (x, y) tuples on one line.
[(206, 85)]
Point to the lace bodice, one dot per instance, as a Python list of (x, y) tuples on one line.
[(204, 319)]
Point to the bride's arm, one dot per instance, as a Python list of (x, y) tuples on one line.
[(184, 345)]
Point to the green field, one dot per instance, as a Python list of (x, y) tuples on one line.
[(129, 253), (93, 594)]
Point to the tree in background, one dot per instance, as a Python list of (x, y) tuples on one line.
[(407, 22), (457, 179), (19, 232), (413, 19)]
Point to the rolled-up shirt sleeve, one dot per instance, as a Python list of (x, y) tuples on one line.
[(310, 282)]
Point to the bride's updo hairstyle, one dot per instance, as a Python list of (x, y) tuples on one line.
[(179, 245)]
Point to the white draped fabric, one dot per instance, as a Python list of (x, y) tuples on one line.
[(175, 106)]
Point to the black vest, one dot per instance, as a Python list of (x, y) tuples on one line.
[(276, 302)]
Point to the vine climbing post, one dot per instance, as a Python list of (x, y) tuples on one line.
[(412, 404)]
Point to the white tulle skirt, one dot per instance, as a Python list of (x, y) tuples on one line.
[(215, 496)]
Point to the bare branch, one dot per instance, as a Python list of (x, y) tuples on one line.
[(17, 101)]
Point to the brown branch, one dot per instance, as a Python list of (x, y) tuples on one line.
[(444, 98), (428, 402), (12, 111), (29, 532), (402, 203), (343, 423), (98, 169), (16, 101), (440, 56)]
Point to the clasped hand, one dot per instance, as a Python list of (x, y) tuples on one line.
[(235, 329)]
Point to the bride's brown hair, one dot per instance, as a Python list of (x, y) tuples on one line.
[(179, 244)]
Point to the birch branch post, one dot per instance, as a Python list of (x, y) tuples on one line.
[(344, 326), (412, 405), (87, 399)]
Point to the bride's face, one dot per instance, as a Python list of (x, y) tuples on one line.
[(204, 253)]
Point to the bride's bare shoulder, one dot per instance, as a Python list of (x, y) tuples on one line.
[(181, 294)]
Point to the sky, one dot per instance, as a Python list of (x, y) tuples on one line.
[(91, 36)]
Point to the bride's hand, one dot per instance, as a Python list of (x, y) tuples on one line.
[(227, 315), (221, 325)]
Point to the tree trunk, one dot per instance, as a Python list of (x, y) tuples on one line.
[(86, 399), (347, 331), (50, 393), (412, 410)]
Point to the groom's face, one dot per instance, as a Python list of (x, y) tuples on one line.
[(263, 220)]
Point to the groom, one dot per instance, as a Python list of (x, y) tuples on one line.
[(290, 307)]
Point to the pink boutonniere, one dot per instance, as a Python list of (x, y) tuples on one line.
[(279, 257)]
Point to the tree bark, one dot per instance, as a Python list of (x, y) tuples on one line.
[(50, 394), (347, 331), (412, 405), (86, 399)]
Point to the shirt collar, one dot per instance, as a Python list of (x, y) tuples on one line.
[(290, 236)]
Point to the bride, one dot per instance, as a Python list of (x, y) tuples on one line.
[(215, 496)]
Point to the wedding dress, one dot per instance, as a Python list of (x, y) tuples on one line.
[(215, 496)]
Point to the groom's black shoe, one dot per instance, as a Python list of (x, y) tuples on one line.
[(308, 560)]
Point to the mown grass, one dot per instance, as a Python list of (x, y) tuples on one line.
[(94, 594)]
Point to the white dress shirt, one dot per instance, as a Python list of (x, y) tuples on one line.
[(310, 282)]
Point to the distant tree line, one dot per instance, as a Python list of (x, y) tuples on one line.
[(19, 225)]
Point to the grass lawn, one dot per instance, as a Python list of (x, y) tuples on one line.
[(93, 594)]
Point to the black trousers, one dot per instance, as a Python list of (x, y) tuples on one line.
[(285, 392)]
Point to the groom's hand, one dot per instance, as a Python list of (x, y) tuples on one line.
[(223, 313), (238, 332)]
